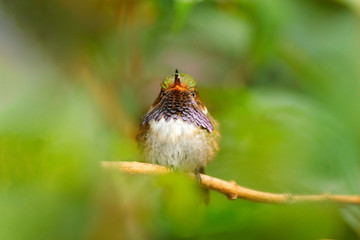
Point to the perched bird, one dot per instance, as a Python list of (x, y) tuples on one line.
[(178, 131)]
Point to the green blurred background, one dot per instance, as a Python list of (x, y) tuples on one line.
[(281, 77)]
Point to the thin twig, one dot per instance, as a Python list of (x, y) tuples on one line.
[(230, 188)]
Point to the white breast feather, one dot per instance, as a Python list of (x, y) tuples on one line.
[(176, 143)]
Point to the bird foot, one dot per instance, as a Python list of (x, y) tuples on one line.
[(197, 173)]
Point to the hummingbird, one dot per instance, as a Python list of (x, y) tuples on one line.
[(178, 130)]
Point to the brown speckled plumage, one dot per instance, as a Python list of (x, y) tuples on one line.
[(176, 104)]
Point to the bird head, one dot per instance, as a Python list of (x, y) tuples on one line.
[(179, 99)]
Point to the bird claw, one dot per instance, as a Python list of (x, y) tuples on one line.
[(198, 175), (172, 168)]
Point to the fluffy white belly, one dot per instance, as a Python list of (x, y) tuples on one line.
[(176, 143)]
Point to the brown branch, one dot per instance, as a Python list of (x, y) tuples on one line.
[(231, 189)]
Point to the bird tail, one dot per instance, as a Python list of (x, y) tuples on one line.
[(206, 195)]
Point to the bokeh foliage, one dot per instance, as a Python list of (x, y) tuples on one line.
[(281, 77)]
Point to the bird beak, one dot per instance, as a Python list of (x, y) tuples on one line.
[(177, 79)]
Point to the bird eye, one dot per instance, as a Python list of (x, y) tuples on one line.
[(193, 94)]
